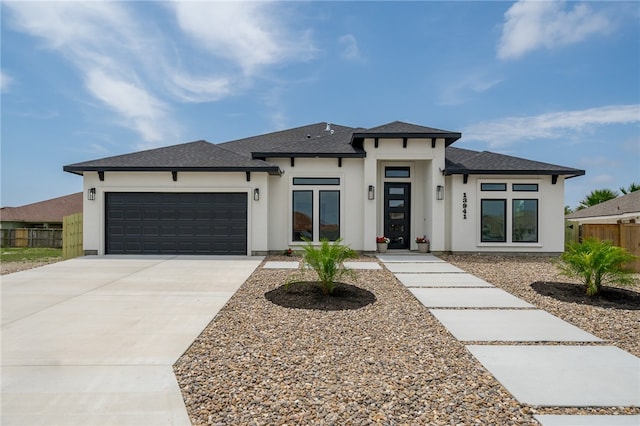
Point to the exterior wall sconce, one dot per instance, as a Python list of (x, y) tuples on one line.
[(372, 192), (439, 192), (256, 194), (91, 194)]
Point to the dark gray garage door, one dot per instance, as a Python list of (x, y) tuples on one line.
[(176, 223)]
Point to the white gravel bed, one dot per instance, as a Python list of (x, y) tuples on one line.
[(389, 363)]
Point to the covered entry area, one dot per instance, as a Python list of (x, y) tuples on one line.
[(176, 223)]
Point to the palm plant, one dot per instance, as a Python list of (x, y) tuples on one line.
[(597, 196), (595, 262), (327, 261)]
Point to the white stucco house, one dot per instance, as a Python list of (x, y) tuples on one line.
[(265, 193)]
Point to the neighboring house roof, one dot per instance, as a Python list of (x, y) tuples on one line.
[(44, 211), (313, 140), (629, 203), (465, 161), (192, 156)]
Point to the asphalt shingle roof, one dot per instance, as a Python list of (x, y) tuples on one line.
[(334, 144), (629, 203), (192, 156), (397, 129), (314, 140), (465, 161), (271, 141)]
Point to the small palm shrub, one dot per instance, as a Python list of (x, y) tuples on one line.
[(326, 260), (595, 263)]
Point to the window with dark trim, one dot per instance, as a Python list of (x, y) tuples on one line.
[(316, 181), (493, 186), (525, 187), (329, 215), (493, 220), (525, 221), (302, 215), (397, 172)]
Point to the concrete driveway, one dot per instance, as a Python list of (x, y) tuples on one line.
[(91, 341)]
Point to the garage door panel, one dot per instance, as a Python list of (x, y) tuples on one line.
[(176, 223)]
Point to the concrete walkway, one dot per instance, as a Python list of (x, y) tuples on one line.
[(546, 375), (92, 341)]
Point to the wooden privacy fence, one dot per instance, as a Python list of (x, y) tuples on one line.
[(625, 235), (72, 239), (31, 237)]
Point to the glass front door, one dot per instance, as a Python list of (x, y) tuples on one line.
[(397, 206)]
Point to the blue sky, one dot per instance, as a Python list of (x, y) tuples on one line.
[(557, 82)]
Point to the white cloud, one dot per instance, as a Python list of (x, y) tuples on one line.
[(531, 25), (5, 82), (105, 43), (200, 89), (550, 125), (350, 52), (248, 33), (142, 111), (463, 89)]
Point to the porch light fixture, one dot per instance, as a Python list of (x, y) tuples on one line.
[(256, 194), (91, 194), (439, 192), (372, 192)]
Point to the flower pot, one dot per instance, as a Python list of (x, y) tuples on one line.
[(382, 247), (423, 247)]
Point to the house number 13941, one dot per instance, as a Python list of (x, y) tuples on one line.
[(464, 205)]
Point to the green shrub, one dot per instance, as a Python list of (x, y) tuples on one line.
[(595, 263), (326, 260)]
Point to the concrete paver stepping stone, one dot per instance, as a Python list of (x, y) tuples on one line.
[(467, 298), (441, 280), (590, 420), (362, 265), (423, 267), (281, 265), (410, 258), (564, 376), (510, 325)]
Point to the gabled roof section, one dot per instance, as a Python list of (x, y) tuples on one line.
[(291, 137), (331, 144), (629, 203), (192, 156), (47, 211), (400, 129), (464, 161)]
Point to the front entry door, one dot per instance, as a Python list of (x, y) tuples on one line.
[(397, 206)]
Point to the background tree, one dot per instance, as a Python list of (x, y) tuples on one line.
[(632, 187), (567, 210), (597, 196)]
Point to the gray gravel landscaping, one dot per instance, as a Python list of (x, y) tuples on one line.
[(390, 362)]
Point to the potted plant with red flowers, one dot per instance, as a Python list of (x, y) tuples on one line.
[(383, 243), (423, 244)]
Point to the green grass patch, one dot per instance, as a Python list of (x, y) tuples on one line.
[(8, 254)]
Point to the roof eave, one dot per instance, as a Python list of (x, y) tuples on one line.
[(263, 155), (449, 138), (272, 170), (569, 173)]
